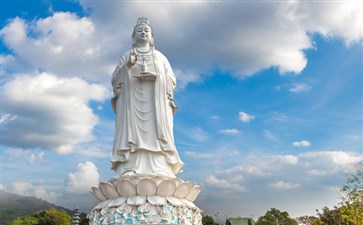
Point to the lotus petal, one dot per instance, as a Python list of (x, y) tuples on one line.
[(117, 201), (94, 195), (189, 204), (136, 200), (109, 190), (193, 194), (156, 200), (146, 187), (96, 191), (126, 188), (178, 181), (135, 180), (166, 188), (183, 190), (102, 204), (174, 201), (114, 181), (157, 180)]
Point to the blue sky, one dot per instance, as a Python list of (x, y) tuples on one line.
[(269, 97)]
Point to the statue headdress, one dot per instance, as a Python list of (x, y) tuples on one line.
[(142, 20)]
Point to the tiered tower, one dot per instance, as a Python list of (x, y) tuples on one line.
[(75, 217)]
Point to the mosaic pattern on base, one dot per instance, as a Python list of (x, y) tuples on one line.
[(145, 214)]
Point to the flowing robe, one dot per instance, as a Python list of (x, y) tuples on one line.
[(144, 140)]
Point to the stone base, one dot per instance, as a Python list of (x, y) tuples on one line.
[(146, 214)]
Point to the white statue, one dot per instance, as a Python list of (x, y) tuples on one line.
[(143, 83)]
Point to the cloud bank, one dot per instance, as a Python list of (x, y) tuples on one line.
[(48, 112)]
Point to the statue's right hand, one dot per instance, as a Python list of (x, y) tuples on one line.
[(132, 58)]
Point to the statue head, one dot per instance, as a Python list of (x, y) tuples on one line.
[(142, 23)]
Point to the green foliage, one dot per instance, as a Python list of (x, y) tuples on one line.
[(351, 207), (276, 217), (53, 217), (249, 222), (350, 210), (208, 220), (307, 220), (84, 221), (330, 217), (45, 217), (28, 220)]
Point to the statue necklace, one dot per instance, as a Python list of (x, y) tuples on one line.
[(142, 51)]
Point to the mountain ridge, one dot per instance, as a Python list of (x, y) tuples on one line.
[(13, 206)]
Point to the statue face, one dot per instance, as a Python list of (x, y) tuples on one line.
[(143, 33)]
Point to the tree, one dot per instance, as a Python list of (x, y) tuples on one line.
[(84, 221), (275, 217), (45, 217), (27, 220), (351, 207), (350, 210), (53, 217), (249, 222), (307, 220), (208, 220), (330, 217)]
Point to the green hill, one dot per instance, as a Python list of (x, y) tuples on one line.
[(13, 206)]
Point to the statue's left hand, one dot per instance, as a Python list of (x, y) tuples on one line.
[(117, 89)]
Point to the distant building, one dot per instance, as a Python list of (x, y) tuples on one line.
[(75, 218), (240, 221)]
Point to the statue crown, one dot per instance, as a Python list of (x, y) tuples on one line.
[(142, 20)]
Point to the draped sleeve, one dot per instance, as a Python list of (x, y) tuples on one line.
[(116, 80)]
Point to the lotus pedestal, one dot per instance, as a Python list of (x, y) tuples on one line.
[(145, 200)]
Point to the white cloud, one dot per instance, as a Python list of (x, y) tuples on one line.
[(35, 158), (298, 88), (2, 187), (21, 188), (244, 117), (94, 151), (315, 176), (64, 44), (6, 119), (303, 143), (184, 78), (281, 185), (28, 189), (275, 34), (215, 182), (271, 136), (331, 19), (83, 178), (49, 112), (198, 155), (218, 154), (353, 137), (337, 158), (229, 131), (288, 159), (43, 194), (29, 156), (316, 172), (239, 170), (259, 170), (198, 134)]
